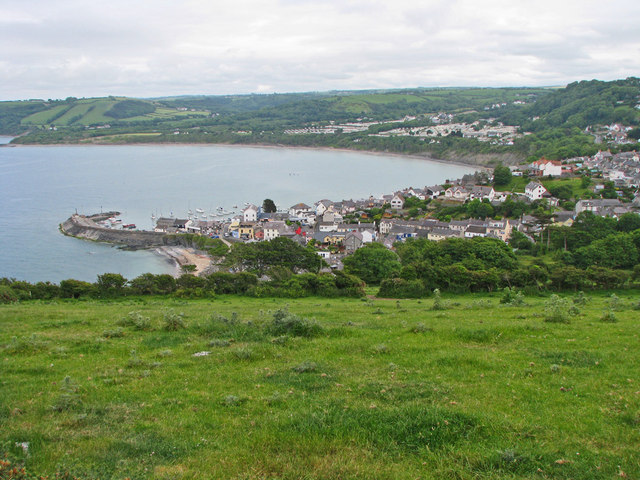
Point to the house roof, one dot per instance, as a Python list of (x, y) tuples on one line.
[(301, 206), (533, 186)]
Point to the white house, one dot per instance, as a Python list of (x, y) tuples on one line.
[(250, 214), (457, 193), (397, 202), (299, 210), (322, 206), (481, 192), (534, 191), (273, 229), (545, 167)]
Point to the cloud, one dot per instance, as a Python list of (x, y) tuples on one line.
[(161, 47)]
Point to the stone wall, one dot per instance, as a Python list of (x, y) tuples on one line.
[(84, 227)]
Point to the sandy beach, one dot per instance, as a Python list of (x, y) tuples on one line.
[(185, 256)]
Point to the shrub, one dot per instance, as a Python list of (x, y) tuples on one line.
[(420, 328), (615, 304), (136, 320), (557, 310), (580, 299), (381, 349), (305, 367), (401, 288), (113, 333), (69, 398), (286, 323), (438, 304), (173, 321), (608, 316), (7, 295), (76, 288), (243, 353)]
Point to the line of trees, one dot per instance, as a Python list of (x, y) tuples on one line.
[(283, 283)]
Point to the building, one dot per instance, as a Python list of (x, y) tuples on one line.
[(535, 191), (397, 202), (544, 167), (250, 214), (456, 193)]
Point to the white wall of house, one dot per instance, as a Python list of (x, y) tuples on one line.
[(250, 214)]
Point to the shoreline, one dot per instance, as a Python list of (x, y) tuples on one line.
[(258, 145), (180, 256)]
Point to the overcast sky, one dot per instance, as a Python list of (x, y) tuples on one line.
[(145, 48)]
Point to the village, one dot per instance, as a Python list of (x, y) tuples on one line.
[(339, 228)]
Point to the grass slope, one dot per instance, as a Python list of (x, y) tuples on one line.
[(387, 390)]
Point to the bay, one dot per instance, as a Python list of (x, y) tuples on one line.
[(41, 186)]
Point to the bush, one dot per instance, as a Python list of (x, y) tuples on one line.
[(69, 399), (135, 320), (286, 323), (608, 316), (305, 367), (173, 321), (76, 288), (580, 299), (438, 304), (113, 333), (7, 295), (401, 288), (557, 310), (615, 304), (220, 326)]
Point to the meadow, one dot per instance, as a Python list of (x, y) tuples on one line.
[(246, 388)]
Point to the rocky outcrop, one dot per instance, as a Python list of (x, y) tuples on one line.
[(85, 227)]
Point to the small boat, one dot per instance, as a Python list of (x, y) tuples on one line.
[(235, 206), (199, 210), (130, 226), (115, 221)]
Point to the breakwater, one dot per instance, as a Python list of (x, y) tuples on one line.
[(86, 227)]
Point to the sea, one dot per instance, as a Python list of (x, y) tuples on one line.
[(41, 186)]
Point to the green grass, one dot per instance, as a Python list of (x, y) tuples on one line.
[(478, 390)]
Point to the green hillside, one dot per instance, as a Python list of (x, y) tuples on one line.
[(99, 111), (555, 117)]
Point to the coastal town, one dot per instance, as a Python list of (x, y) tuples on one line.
[(338, 228)]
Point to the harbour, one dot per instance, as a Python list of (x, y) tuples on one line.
[(42, 186)]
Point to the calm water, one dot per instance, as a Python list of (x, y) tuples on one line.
[(41, 186)]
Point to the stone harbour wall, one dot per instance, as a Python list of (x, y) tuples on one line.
[(85, 227)]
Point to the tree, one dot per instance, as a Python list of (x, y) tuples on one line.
[(372, 263), (501, 175), (268, 206), (111, 284), (629, 222), (283, 252)]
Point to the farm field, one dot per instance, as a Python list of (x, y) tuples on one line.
[(235, 387)]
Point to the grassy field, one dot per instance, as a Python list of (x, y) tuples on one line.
[(92, 112), (381, 389)]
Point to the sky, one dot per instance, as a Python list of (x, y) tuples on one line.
[(150, 48)]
